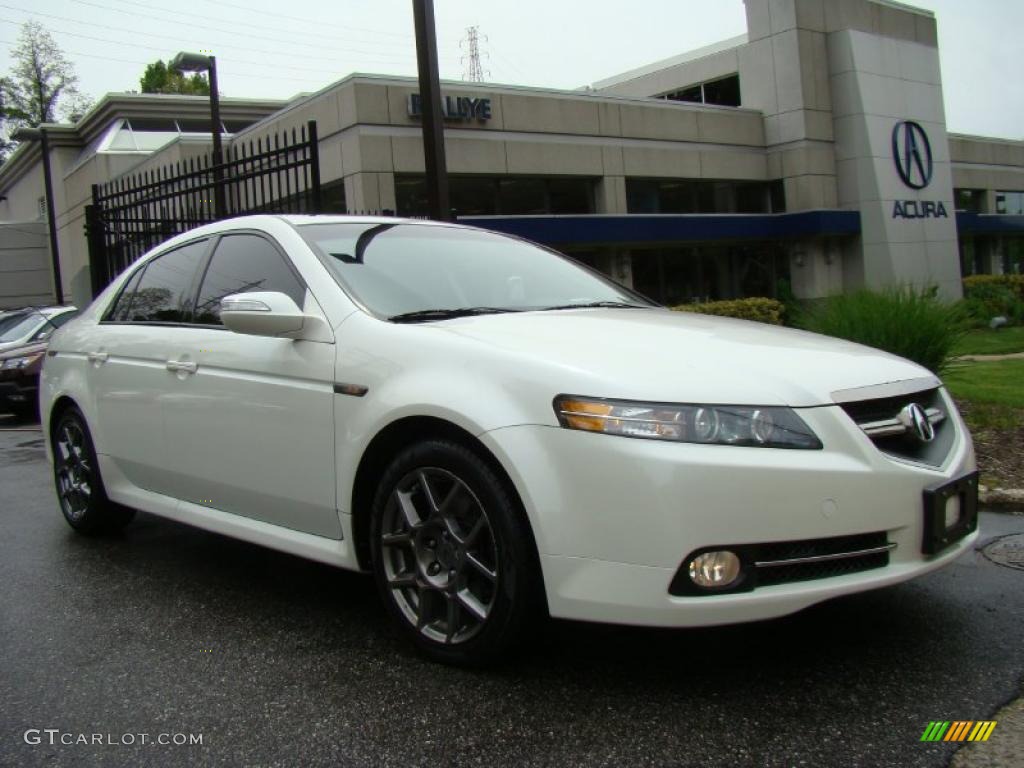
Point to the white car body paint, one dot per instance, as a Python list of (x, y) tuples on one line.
[(257, 444)]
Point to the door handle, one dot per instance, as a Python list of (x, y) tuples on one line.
[(97, 357), (180, 366)]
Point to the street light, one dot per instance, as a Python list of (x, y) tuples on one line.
[(39, 134), (200, 62)]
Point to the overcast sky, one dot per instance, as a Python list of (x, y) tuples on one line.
[(269, 48)]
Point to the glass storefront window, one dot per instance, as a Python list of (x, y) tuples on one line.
[(501, 195)]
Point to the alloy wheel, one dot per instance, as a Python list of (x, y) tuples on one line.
[(440, 555), (74, 470)]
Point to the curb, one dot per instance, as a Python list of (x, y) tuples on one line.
[(1002, 499)]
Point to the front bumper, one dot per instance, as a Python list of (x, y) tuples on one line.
[(615, 517), (19, 394)]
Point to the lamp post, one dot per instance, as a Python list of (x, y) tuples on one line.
[(430, 99), (200, 62), (39, 134)]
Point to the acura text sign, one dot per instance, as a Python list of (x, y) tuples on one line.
[(455, 107), (912, 156)]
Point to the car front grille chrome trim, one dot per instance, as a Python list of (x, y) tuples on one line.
[(824, 558), (894, 426)]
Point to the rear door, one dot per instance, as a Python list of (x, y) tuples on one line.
[(249, 423), (127, 360)]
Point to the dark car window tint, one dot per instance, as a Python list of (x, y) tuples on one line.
[(119, 312), (241, 264), (164, 286)]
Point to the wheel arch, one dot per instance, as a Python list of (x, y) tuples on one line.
[(392, 439)]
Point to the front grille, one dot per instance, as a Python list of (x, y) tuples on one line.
[(884, 421), (772, 568), (785, 562)]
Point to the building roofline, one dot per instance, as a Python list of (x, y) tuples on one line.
[(673, 61)]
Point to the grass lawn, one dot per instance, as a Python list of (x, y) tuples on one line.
[(991, 399), (987, 342), (999, 382)]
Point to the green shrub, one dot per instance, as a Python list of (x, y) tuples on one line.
[(904, 321), (1014, 282), (757, 309), (988, 296)]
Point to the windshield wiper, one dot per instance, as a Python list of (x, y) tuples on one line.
[(425, 315), (590, 304)]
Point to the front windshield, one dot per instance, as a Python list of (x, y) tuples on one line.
[(20, 328), (397, 269)]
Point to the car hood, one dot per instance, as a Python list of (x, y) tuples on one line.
[(661, 355)]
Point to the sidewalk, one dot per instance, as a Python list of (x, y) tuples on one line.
[(1005, 748)]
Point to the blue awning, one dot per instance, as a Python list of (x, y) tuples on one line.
[(989, 223), (652, 229)]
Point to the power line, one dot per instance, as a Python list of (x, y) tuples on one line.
[(229, 61), (277, 30), (318, 22), (137, 61), (207, 26), (275, 54)]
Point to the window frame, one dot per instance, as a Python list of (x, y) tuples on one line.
[(204, 266), (188, 296)]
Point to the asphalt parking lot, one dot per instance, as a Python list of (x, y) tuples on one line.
[(279, 661)]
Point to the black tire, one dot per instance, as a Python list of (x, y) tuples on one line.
[(456, 566), (76, 475)]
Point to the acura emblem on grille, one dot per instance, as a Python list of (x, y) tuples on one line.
[(915, 419)]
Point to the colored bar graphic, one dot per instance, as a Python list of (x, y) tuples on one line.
[(958, 730), (935, 731)]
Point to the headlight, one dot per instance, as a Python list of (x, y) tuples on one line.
[(22, 362), (755, 426)]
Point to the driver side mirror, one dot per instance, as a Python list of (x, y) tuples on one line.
[(271, 313)]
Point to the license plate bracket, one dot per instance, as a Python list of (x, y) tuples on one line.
[(937, 534)]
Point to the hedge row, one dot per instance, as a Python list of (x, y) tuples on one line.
[(1014, 282), (757, 309)]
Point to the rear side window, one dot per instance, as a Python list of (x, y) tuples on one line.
[(244, 263), (119, 312), (162, 293)]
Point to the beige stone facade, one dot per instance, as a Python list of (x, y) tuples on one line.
[(823, 87)]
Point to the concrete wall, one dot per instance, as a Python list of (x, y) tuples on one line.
[(983, 163), (25, 273), (367, 136)]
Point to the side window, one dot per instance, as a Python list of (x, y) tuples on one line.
[(163, 289), (244, 263), (119, 312)]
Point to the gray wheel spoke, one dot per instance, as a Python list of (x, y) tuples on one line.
[(470, 602), (452, 619), (454, 493), (402, 580), (474, 534), (395, 539), (474, 561), (412, 517), (428, 492)]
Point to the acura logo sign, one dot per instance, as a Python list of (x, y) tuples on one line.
[(912, 154), (916, 421)]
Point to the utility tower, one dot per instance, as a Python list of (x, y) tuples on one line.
[(471, 68)]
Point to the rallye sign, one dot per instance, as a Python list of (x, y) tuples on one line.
[(454, 107)]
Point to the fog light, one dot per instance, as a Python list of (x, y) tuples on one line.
[(714, 569)]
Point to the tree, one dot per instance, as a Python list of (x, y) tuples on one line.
[(41, 85), (159, 78)]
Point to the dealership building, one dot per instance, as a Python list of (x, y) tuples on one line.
[(809, 155)]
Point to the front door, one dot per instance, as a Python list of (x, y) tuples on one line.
[(249, 425)]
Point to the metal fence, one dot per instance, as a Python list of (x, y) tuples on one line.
[(130, 215)]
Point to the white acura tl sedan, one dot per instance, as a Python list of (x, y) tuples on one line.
[(497, 432)]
